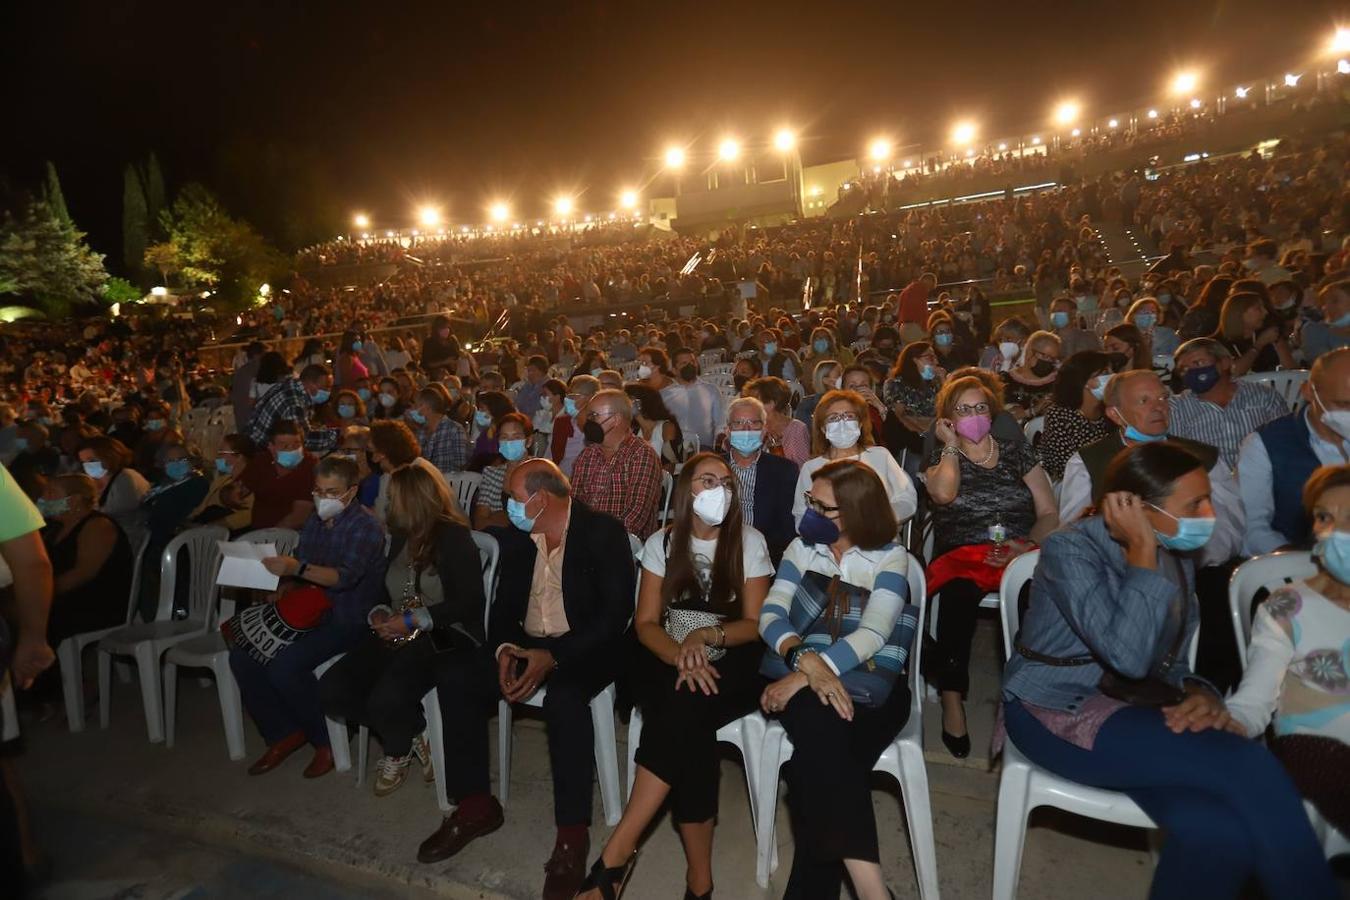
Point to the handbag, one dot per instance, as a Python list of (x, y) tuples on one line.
[(680, 623), (265, 629)]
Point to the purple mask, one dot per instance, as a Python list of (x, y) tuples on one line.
[(973, 428)]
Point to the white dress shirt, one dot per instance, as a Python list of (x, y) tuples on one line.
[(1254, 480), (697, 406)]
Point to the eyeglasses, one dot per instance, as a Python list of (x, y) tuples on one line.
[(833, 418), (746, 424), (708, 481), (600, 416), (966, 409), (812, 503), (329, 493)]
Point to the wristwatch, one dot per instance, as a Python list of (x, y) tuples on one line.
[(300, 572)]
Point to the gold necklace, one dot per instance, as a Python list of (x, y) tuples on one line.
[(984, 462)]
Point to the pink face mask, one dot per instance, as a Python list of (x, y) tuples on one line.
[(973, 428)]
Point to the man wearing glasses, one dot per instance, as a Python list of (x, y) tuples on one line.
[(569, 438), (619, 474), (766, 481)]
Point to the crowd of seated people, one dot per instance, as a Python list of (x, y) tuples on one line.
[(778, 502)]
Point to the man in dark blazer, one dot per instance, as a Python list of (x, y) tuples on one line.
[(767, 482), (564, 599)]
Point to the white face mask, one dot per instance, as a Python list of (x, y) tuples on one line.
[(712, 505), (387, 400), (1338, 420), (842, 435), (644, 372), (328, 507)]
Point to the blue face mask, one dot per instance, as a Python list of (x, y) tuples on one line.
[(746, 442), (416, 416), (821, 345), (816, 529), (347, 411), (570, 407), (1097, 386), (289, 459), (52, 508), (321, 396), (1341, 321), (511, 450), (154, 424), (1134, 434), (943, 339), (595, 373), (482, 418), (1145, 320), (364, 394), (1201, 378), (515, 511), (770, 348), (1059, 319), (356, 346), (927, 372), (21, 444), (1164, 298), (1334, 553), (222, 466), (1192, 534), (177, 469)]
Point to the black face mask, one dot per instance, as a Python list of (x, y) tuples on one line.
[(1119, 361), (1043, 368), (593, 433), (739, 381), (688, 372)]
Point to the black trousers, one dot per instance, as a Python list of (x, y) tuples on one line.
[(468, 692), (381, 686), (830, 795), (949, 665), (679, 728)]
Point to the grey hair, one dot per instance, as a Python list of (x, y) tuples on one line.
[(549, 479), (584, 384), (1209, 345), (623, 404), (746, 401), (1118, 381)]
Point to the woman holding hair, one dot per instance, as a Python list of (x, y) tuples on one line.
[(983, 490), (704, 579), (1296, 670), (513, 442), (434, 592), (839, 620), (1075, 417), (842, 429), (657, 424), (1100, 692), (1256, 346)]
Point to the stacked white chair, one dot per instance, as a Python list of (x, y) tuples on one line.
[(464, 485), (902, 760), (667, 491), (1285, 382), (148, 641), (208, 651), (720, 368), (70, 652)]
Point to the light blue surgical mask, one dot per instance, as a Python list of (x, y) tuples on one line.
[(154, 424), (222, 466), (770, 348), (356, 346), (515, 511), (746, 442), (94, 469), (821, 345), (321, 396), (346, 411), (1341, 321), (1134, 434), (364, 394), (943, 339), (482, 418), (927, 373), (1192, 533), (511, 450), (289, 459), (416, 416), (177, 469), (1059, 319), (1097, 386), (52, 508), (595, 373), (570, 407), (1334, 553), (1145, 320)]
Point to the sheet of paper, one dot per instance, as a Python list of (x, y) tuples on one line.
[(241, 565)]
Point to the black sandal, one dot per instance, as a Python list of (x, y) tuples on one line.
[(690, 895), (609, 882)]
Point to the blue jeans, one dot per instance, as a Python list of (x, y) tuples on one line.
[(283, 696), (1228, 809)]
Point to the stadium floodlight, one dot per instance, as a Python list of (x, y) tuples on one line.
[(675, 157), (1153, 114), (628, 199), (464, 229), (429, 216), (908, 163), (880, 149), (499, 211), (1343, 66), (1291, 80), (1035, 140), (1184, 82), (1076, 132), (784, 140), (563, 206), (729, 149), (1066, 113), (1340, 41), (1241, 93), (389, 234), (963, 132), (1002, 146), (361, 220), (1113, 123)]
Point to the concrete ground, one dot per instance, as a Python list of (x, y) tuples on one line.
[(126, 818)]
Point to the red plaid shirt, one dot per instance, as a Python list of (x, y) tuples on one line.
[(627, 486)]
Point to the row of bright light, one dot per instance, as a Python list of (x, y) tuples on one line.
[(1066, 114)]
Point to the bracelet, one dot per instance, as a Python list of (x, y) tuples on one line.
[(300, 572), (797, 660), (408, 621), (790, 657), (951, 451), (721, 639)]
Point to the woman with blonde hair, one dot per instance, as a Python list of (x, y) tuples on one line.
[(433, 618)]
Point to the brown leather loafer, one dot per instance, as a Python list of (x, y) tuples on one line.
[(277, 753), (321, 764), (565, 870), (456, 832)]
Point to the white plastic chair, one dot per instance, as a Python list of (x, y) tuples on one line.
[(464, 485), (720, 368), (1033, 430), (1023, 785), (1272, 571), (1286, 382), (667, 490), (148, 641), (70, 652), (208, 651), (902, 760)]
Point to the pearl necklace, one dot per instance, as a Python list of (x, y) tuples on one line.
[(984, 462)]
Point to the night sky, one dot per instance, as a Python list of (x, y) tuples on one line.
[(299, 114)]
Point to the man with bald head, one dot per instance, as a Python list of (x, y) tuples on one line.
[(1138, 403), (563, 602), (1277, 459)]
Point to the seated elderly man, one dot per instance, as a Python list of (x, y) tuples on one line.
[(1216, 408), (767, 482), (618, 473), (1278, 459), (568, 438), (562, 605), (341, 552)]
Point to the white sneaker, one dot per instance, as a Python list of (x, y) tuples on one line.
[(422, 750), (392, 771)]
